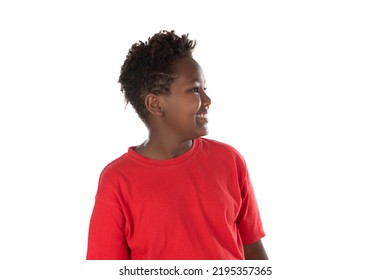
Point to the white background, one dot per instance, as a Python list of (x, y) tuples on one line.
[(300, 88)]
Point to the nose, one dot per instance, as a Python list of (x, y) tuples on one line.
[(205, 99)]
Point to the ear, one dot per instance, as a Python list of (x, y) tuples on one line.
[(153, 104)]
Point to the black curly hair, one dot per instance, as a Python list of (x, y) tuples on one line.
[(148, 67)]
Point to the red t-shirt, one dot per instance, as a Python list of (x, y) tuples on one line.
[(200, 205)]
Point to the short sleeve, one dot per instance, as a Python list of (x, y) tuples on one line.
[(248, 221), (107, 239)]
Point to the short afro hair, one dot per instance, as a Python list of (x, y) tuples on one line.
[(148, 67)]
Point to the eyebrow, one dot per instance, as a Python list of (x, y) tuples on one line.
[(196, 80)]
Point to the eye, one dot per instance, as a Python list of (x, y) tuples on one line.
[(195, 89)]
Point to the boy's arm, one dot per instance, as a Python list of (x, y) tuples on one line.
[(255, 251), (106, 238)]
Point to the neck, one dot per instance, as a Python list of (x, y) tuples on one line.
[(161, 148)]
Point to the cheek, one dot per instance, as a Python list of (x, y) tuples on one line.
[(185, 108), (190, 106), (196, 103)]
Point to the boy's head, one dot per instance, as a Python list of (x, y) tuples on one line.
[(148, 68)]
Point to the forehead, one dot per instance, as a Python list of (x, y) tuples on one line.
[(187, 70)]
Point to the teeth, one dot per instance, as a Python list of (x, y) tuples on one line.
[(202, 116)]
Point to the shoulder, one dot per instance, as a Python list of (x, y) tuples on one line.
[(115, 167), (223, 156), (220, 149), (111, 178), (212, 144)]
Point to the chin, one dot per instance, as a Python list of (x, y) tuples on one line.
[(199, 131), (204, 132)]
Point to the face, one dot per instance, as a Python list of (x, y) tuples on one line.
[(185, 108)]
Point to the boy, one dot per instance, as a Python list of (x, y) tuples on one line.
[(176, 195)]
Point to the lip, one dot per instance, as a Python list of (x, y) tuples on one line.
[(202, 117), (202, 113)]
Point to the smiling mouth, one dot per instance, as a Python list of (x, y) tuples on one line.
[(201, 116)]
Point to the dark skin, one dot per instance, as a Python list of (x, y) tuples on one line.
[(255, 251), (178, 118), (172, 119)]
